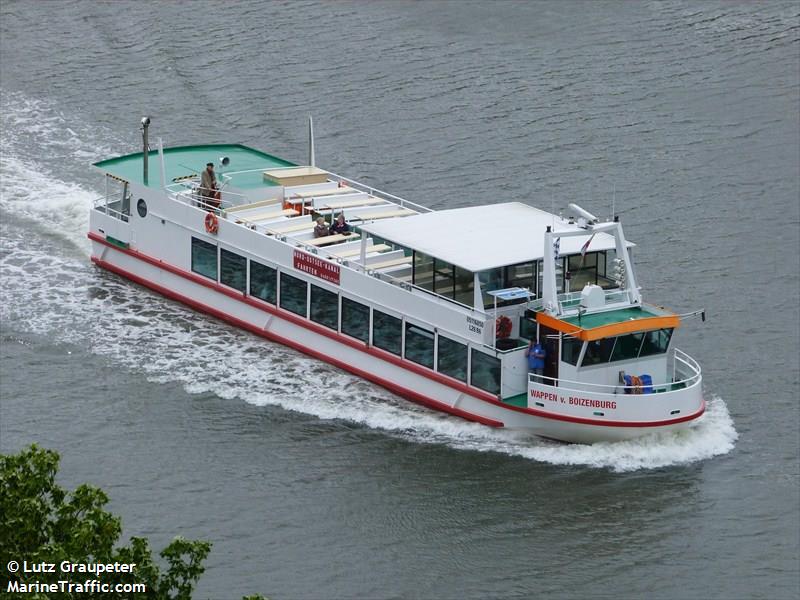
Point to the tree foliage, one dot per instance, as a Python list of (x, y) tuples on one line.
[(42, 523)]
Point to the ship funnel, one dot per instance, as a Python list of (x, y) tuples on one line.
[(310, 142), (145, 147)]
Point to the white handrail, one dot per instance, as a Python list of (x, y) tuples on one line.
[(376, 192), (692, 379)]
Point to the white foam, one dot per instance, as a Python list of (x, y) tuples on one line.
[(64, 297)]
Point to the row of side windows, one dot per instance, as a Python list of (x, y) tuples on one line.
[(322, 306)]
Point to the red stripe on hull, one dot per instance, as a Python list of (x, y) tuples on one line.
[(361, 346), (400, 390)]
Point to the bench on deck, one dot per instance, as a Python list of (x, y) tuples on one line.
[(370, 201), (270, 202), (380, 214), (316, 194), (332, 239), (403, 260), (289, 212), (357, 251), (306, 224)]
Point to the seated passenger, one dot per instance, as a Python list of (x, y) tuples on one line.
[(321, 228), (340, 226)]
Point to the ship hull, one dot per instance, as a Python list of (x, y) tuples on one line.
[(400, 376)]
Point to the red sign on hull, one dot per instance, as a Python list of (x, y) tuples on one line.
[(313, 265)]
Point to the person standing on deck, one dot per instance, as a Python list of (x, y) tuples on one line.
[(208, 188), (536, 355)]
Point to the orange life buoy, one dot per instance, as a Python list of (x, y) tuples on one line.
[(212, 224)]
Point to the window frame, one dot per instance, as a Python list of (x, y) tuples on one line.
[(375, 313), (313, 286), (222, 253), (281, 275), (199, 242), (343, 301)]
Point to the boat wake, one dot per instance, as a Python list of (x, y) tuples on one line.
[(50, 288)]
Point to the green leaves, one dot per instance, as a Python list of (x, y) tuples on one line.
[(42, 523)]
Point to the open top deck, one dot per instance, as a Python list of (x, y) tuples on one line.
[(188, 161)]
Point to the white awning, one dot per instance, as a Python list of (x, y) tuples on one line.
[(484, 237)]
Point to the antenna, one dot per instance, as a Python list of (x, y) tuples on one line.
[(613, 199), (310, 141)]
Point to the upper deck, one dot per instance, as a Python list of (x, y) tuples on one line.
[(188, 161), (457, 254)]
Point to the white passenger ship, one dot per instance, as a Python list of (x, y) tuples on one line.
[(437, 306)]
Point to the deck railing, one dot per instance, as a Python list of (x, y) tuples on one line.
[(686, 373), (381, 194), (103, 205), (182, 192), (571, 300)]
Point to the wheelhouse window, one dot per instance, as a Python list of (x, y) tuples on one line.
[(263, 282), (598, 351), (485, 372), (324, 307), (293, 294), (419, 345), (387, 332), (655, 342), (204, 258), (627, 346), (452, 358), (582, 270), (355, 319), (570, 350), (233, 270)]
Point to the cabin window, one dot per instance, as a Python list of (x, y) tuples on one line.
[(233, 270), (419, 345), (443, 278), (491, 280), (324, 307), (387, 332), (570, 350), (464, 286), (627, 346), (598, 351), (452, 358), (655, 342), (582, 270), (521, 275), (423, 271), (485, 372), (204, 258), (263, 282), (355, 319), (294, 294)]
